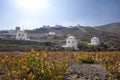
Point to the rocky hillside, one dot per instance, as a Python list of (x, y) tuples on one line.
[(113, 27), (106, 34)]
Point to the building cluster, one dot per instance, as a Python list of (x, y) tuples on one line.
[(71, 42), (14, 34)]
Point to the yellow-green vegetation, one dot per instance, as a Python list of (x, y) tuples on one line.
[(88, 58), (48, 65)]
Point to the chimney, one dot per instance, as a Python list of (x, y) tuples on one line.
[(17, 29)]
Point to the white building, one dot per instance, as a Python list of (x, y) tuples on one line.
[(11, 34), (51, 33), (95, 41), (14, 34), (20, 35), (71, 42)]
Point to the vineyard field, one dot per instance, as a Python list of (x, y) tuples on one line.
[(49, 65)]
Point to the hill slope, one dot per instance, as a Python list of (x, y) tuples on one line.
[(80, 32), (113, 27)]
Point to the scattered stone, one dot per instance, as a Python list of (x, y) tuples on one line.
[(82, 71)]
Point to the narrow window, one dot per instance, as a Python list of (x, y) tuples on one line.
[(68, 41)]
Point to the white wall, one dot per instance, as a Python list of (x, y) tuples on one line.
[(95, 41), (21, 35), (72, 42)]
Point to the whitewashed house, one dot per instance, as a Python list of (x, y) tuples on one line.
[(71, 42), (20, 35), (11, 34), (14, 34), (95, 41), (51, 33)]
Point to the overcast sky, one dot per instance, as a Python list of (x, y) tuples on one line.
[(30, 14)]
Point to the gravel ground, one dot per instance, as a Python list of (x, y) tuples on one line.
[(82, 71)]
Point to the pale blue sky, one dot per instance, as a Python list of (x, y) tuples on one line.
[(64, 12)]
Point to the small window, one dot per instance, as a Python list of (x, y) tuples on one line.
[(72, 41), (19, 35), (68, 41)]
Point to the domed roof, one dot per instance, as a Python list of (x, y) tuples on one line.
[(71, 37), (95, 38)]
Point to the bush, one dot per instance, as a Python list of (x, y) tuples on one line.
[(88, 58)]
